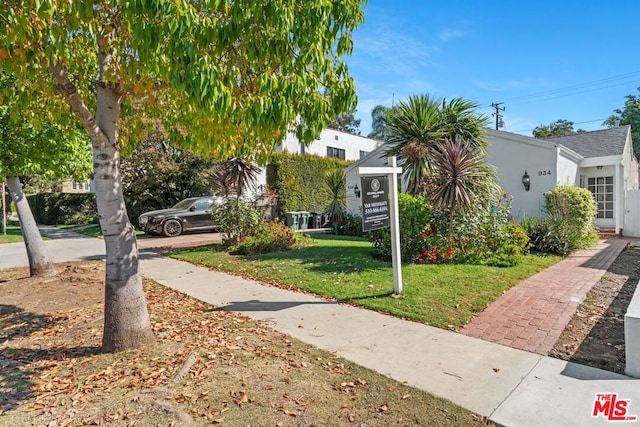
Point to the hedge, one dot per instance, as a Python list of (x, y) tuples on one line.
[(299, 181), (64, 208)]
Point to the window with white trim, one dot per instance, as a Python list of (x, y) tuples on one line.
[(602, 189)]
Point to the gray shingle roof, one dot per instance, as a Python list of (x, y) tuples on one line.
[(598, 143)]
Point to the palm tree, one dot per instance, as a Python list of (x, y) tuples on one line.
[(460, 177), (458, 118), (415, 126), (235, 176), (412, 127)]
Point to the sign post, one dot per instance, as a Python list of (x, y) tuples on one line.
[(380, 209)]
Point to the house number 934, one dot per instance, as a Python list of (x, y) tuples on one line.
[(543, 173)]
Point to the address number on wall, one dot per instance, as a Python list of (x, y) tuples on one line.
[(543, 173)]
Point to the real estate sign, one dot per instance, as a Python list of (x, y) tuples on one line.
[(375, 202)]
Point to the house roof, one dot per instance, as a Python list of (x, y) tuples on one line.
[(598, 143)]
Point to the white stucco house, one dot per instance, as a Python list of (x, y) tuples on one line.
[(330, 143), (602, 161)]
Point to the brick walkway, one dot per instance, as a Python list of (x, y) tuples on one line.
[(532, 315)]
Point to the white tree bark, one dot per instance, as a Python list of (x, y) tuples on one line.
[(126, 319), (39, 261)]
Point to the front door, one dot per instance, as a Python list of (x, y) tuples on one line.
[(602, 189)]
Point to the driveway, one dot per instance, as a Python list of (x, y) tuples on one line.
[(164, 244)]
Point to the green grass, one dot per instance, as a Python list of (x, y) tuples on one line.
[(343, 268), (13, 234), (93, 231)]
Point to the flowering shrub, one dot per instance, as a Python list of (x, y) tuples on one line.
[(484, 235), (435, 248), (271, 237)]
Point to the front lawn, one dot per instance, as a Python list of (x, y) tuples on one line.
[(14, 234), (443, 295)]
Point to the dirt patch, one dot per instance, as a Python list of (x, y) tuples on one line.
[(208, 367), (595, 335)]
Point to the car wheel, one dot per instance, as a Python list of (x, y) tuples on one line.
[(172, 228)]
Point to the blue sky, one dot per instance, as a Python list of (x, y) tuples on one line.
[(546, 60)]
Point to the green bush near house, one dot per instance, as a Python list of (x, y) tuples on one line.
[(351, 225), (484, 235), (415, 216), (299, 181), (237, 220), (568, 224), (64, 208), (270, 237)]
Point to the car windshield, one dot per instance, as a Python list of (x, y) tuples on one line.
[(184, 204)]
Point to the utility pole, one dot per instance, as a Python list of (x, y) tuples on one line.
[(497, 115)]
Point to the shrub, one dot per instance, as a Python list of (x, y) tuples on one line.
[(351, 225), (64, 208), (237, 220), (434, 247), (484, 235), (270, 237), (415, 217), (568, 224)]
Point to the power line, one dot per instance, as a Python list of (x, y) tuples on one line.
[(566, 91)]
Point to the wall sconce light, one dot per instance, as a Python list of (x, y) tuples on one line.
[(356, 191), (599, 167), (526, 181)]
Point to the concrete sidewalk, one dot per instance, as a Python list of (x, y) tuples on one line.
[(512, 387)]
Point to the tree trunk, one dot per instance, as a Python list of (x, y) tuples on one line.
[(126, 319), (451, 217), (4, 209), (39, 262)]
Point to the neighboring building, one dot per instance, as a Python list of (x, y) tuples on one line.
[(331, 143), (71, 186), (601, 161)]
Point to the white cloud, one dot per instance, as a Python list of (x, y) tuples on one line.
[(530, 83), (487, 86), (452, 33)]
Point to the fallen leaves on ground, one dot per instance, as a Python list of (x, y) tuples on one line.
[(207, 367)]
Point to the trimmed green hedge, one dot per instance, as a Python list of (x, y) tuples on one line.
[(299, 181), (64, 208)]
